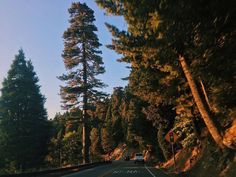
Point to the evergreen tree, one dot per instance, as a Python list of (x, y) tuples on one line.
[(83, 62), (99, 115), (71, 149), (116, 119), (95, 148), (188, 35), (65, 149), (139, 131), (23, 118), (108, 143), (65, 144)]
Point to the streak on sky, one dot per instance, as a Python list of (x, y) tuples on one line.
[(37, 27)]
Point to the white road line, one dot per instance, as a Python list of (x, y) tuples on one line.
[(133, 167), (110, 171), (150, 171)]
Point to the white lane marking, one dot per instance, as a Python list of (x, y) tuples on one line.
[(110, 171), (115, 172), (132, 171), (150, 171), (133, 167)]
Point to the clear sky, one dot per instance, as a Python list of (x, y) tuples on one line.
[(37, 27)]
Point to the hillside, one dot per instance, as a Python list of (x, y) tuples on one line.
[(204, 161)]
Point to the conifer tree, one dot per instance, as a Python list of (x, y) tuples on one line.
[(23, 118), (83, 64), (189, 35), (107, 139), (95, 148), (116, 119), (108, 144)]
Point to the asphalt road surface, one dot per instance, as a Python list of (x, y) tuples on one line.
[(120, 169)]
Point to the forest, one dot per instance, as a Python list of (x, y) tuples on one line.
[(181, 56)]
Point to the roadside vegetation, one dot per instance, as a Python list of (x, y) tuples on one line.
[(182, 73)]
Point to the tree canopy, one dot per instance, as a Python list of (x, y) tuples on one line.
[(184, 43), (23, 118)]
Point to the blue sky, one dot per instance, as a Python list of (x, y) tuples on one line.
[(37, 27)]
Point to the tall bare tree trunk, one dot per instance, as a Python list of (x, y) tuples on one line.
[(85, 139), (85, 115), (203, 111)]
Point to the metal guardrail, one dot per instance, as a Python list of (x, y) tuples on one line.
[(57, 170)]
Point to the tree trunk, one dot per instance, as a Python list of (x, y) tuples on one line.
[(85, 139), (205, 94), (85, 115), (203, 111)]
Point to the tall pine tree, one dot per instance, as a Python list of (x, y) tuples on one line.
[(23, 118), (194, 36), (83, 63)]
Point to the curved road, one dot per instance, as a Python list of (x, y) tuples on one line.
[(120, 169)]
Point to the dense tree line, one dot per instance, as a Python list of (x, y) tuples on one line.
[(65, 147), (117, 120), (181, 55)]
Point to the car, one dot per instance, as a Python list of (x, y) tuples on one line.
[(138, 158)]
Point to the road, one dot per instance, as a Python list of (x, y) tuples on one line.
[(120, 169)]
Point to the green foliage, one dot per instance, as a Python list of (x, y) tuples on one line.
[(24, 129), (185, 131), (108, 143), (100, 112), (65, 150), (184, 123), (112, 6), (81, 58), (116, 119), (163, 144), (107, 140), (83, 63), (71, 148), (130, 120), (158, 32), (66, 141), (96, 147), (54, 153)]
